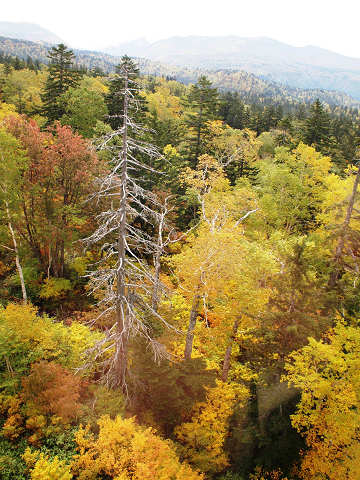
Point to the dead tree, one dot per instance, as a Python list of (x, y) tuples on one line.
[(123, 276)]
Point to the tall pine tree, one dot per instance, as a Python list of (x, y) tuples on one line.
[(115, 101), (318, 128), (202, 104), (62, 76)]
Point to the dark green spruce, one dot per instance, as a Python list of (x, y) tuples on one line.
[(62, 76), (203, 104)]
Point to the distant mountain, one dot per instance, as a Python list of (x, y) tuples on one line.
[(28, 31), (303, 67), (251, 87)]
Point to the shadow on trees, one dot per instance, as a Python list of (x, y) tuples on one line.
[(164, 394), (276, 445)]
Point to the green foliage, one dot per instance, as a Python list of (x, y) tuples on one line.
[(318, 128), (291, 187), (55, 287), (100, 401), (12, 466), (61, 77), (83, 109), (113, 100), (168, 391), (202, 104)]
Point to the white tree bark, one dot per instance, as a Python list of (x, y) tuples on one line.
[(17, 258)]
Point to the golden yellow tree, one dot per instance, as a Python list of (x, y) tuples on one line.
[(204, 436), (125, 451), (328, 374)]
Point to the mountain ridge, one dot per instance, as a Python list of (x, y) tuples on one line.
[(28, 31), (251, 87), (303, 67)]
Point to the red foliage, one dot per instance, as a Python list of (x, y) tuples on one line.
[(60, 173), (53, 390)]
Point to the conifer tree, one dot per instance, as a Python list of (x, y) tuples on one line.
[(318, 128), (61, 77), (114, 100), (203, 104)]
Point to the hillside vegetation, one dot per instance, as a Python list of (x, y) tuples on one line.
[(251, 87), (179, 279)]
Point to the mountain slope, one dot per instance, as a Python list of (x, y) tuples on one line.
[(249, 86), (303, 67), (28, 31)]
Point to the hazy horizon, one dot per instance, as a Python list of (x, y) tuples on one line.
[(312, 24)]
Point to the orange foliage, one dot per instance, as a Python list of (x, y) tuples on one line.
[(52, 390)]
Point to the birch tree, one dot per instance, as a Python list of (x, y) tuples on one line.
[(13, 163), (123, 277)]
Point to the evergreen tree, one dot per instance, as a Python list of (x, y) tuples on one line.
[(18, 64), (29, 63), (61, 77), (203, 105), (7, 69), (318, 128), (233, 111), (114, 101)]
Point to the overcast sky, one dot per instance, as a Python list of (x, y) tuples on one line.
[(94, 24)]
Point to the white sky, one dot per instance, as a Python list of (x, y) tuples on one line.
[(93, 24)]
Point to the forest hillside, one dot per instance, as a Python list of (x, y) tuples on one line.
[(251, 87), (179, 277)]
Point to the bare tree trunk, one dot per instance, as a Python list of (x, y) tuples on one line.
[(121, 306), (344, 231), (198, 136), (227, 357), (157, 265), (17, 258), (192, 322), (156, 296)]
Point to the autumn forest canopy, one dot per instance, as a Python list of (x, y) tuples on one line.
[(179, 278)]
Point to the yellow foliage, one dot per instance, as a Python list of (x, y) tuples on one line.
[(94, 84), (13, 426), (23, 89), (204, 436), (125, 451), (6, 110), (55, 287), (209, 176), (45, 338), (232, 273), (164, 104), (43, 468), (334, 203), (293, 184), (231, 146), (328, 374), (261, 474)]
